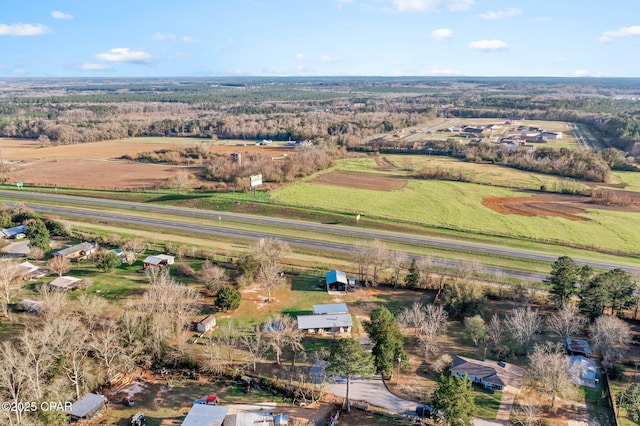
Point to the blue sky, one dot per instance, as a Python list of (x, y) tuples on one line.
[(117, 38)]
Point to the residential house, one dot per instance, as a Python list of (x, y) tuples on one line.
[(158, 261), (582, 371), (551, 135), (65, 283), (78, 251), (578, 347), (491, 374), (205, 415), (87, 406), (206, 324), (325, 323)]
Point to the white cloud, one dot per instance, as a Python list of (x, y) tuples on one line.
[(608, 36), (328, 58), (19, 71), (581, 73), (299, 57), (163, 37), (437, 70), (187, 39), (23, 29), (488, 45), (432, 5), (124, 54), (56, 14), (93, 67), (442, 34), (500, 14)]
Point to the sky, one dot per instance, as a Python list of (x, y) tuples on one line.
[(200, 38)]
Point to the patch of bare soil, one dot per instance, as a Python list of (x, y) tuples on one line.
[(362, 180), (383, 164), (569, 207)]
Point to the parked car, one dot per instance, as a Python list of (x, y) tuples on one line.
[(424, 411)]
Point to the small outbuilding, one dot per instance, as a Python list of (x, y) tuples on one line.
[(205, 415), (29, 271), (336, 281), (582, 371), (65, 284), (87, 406), (206, 324), (158, 261), (578, 347), (31, 306), (14, 232)]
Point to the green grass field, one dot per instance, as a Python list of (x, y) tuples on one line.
[(458, 206)]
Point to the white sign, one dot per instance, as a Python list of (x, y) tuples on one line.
[(256, 180)]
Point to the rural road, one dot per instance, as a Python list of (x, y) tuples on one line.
[(79, 206)]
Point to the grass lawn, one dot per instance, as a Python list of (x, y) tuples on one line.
[(487, 403)]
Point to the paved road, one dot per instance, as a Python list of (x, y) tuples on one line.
[(82, 205), (374, 392)]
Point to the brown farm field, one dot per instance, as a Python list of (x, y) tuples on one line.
[(97, 165)]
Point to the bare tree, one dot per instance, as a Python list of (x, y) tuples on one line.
[(172, 300), (228, 337), (255, 344), (379, 256), (269, 251), (361, 256), (133, 248), (269, 279), (214, 277), (495, 332), (522, 325), (526, 413), (92, 309), (212, 362), (567, 321), (107, 346), (36, 253), (10, 284), (548, 367), (397, 261), (35, 347), (74, 350), (413, 317), (610, 336), (434, 326), (15, 378), (59, 264), (277, 332), (425, 265)]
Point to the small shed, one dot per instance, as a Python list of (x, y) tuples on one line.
[(206, 324), (87, 406), (578, 347), (158, 261), (205, 415), (13, 232), (336, 281), (582, 371), (65, 283), (30, 271)]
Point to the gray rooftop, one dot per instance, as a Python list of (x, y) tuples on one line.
[(306, 322), (205, 415), (85, 247), (332, 308), (498, 373), (85, 405)]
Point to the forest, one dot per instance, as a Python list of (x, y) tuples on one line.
[(342, 111)]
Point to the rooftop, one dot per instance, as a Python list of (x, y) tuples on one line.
[(86, 404), (205, 415), (577, 345), (336, 276), (76, 248), (331, 308), (498, 373), (306, 322)]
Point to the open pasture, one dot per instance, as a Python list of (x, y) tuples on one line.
[(459, 206)]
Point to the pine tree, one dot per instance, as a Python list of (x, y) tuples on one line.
[(454, 401), (349, 358), (413, 275), (564, 276), (38, 235), (384, 331)]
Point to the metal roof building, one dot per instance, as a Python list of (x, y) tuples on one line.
[(331, 308), (87, 406), (205, 415), (337, 323)]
